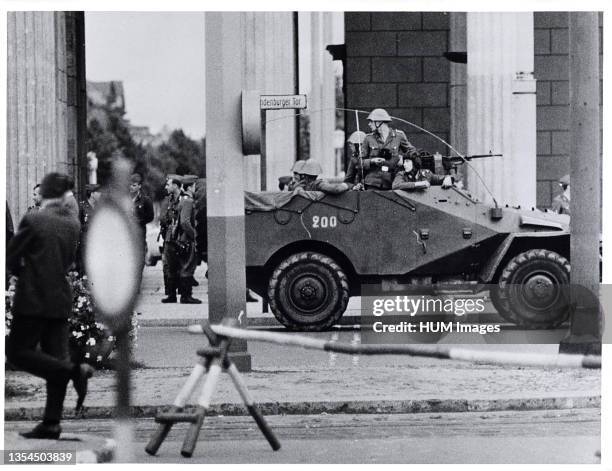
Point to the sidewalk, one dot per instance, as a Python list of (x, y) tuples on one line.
[(312, 386), (152, 313)]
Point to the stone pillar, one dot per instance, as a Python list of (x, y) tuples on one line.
[(45, 108), (315, 102), (224, 172), (458, 85), (328, 100), (585, 173), (270, 68), (502, 106)]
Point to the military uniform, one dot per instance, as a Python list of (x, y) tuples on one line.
[(561, 204), (324, 186), (186, 243), (406, 180), (143, 211), (380, 176), (187, 240), (170, 258)]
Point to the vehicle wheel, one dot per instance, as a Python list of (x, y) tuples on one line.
[(533, 289), (501, 305), (308, 291)]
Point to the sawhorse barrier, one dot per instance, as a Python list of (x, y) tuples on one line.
[(213, 359)]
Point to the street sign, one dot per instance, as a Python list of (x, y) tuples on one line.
[(282, 102)]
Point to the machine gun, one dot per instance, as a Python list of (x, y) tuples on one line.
[(444, 164)]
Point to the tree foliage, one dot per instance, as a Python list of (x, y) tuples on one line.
[(110, 136)]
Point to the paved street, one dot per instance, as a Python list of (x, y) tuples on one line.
[(552, 436)]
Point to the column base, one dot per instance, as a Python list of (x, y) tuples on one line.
[(580, 344), (242, 360)]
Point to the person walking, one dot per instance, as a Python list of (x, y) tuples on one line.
[(40, 255)]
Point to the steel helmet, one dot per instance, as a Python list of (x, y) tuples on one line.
[(312, 168), (379, 114), (357, 137), (564, 180), (297, 166)]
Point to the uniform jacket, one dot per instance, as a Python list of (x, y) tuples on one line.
[(187, 219), (143, 210), (381, 175), (169, 218), (40, 254), (406, 180), (322, 185), (561, 204)]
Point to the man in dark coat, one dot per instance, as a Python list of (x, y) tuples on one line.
[(40, 254)]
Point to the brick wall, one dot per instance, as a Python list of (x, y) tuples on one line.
[(394, 61), (551, 47)]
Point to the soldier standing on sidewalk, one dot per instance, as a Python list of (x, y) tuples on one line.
[(186, 241), (40, 254), (169, 231), (143, 208)]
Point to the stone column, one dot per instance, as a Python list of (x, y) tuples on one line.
[(585, 172), (224, 164), (458, 84), (45, 110), (315, 102), (502, 106)]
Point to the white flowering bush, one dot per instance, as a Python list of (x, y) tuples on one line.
[(90, 341)]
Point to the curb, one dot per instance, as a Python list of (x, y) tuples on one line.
[(346, 321), (342, 407)]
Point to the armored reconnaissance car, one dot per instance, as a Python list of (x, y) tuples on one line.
[(307, 253)]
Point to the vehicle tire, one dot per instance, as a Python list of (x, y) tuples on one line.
[(308, 291), (533, 290), (501, 305)]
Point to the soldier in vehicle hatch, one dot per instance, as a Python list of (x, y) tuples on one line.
[(413, 177), (354, 171), (308, 180), (561, 203), (382, 151)]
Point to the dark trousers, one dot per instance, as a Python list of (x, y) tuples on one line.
[(51, 362), (172, 268), (189, 263)]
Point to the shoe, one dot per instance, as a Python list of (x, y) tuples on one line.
[(190, 300), (194, 282), (85, 372), (169, 299), (43, 431)]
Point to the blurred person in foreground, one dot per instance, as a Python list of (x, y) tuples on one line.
[(40, 254)]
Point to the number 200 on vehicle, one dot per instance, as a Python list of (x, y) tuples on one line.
[(324, 222)]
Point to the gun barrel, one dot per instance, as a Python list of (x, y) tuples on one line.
[(482, 156)]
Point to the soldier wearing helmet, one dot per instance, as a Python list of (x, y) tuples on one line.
[(355, 144), (414, 177), (381, 151), (308, 180), (561, 203)]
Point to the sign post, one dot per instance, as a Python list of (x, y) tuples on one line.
[(275, 102), (113, 261)]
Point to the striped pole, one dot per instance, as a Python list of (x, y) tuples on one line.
[(432, 351)]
